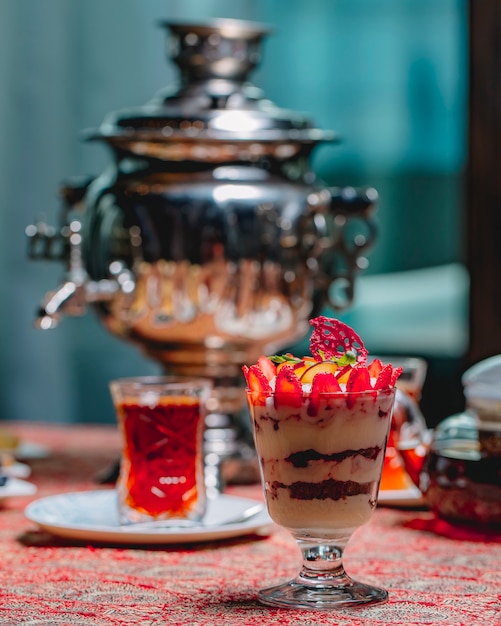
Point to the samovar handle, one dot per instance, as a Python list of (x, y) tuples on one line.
[(345, 229)]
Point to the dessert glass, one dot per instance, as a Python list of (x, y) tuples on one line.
[(321, 469), (161, 420)]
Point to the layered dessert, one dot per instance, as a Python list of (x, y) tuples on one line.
[(320, 426)]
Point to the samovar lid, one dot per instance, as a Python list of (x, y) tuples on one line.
[(213, 100)]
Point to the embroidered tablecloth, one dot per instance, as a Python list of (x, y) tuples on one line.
[(435, 573)]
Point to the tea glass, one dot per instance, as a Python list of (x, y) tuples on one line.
[(320, 467), (161, 420), (410, 385)]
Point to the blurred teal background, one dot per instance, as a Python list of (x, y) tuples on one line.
[(390, 76)]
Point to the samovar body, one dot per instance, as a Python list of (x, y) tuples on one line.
[(211, 268)]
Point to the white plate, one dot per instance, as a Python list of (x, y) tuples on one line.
[(16, 487), (401, 497), (92, 516)]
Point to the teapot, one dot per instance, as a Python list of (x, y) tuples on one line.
[(457, 466)]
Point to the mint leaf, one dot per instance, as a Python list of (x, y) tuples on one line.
[(348, 358), (283, 358)]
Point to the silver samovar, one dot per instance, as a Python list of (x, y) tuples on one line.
[(208, 242)]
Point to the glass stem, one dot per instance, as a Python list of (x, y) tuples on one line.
[(323, 563)]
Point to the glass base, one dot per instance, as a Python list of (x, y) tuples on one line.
[(295, 595)]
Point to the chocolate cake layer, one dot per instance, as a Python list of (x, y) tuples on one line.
[(305, 457), (327, 489)]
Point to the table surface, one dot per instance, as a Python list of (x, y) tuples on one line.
[(435, 573)]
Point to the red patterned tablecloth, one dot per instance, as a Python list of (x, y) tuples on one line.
[(435, 573)]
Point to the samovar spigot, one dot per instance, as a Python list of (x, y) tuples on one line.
[(76, 290)]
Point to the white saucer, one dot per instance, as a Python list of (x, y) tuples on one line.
[(27, 450), (401, 497), (16, 487), (17, 470), (92, 516)]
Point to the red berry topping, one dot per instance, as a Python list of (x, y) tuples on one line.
[(332, 339), (387, 377), (288, 389), (375, 368), (395, 375), (323, 382), (268, 368), (256, 380), (338, 362), (359, 380)]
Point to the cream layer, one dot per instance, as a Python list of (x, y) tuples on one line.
[(355, 468), (319, 517)]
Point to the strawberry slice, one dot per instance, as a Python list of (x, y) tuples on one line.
[(268, 368), (375, 368), (323, 382), (359, 380), (256, 380), (257, 383), (332, 339), (384, 377), (387, 377), (395, 375), (288, 389)]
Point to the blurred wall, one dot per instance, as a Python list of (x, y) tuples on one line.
[(388, 75)]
